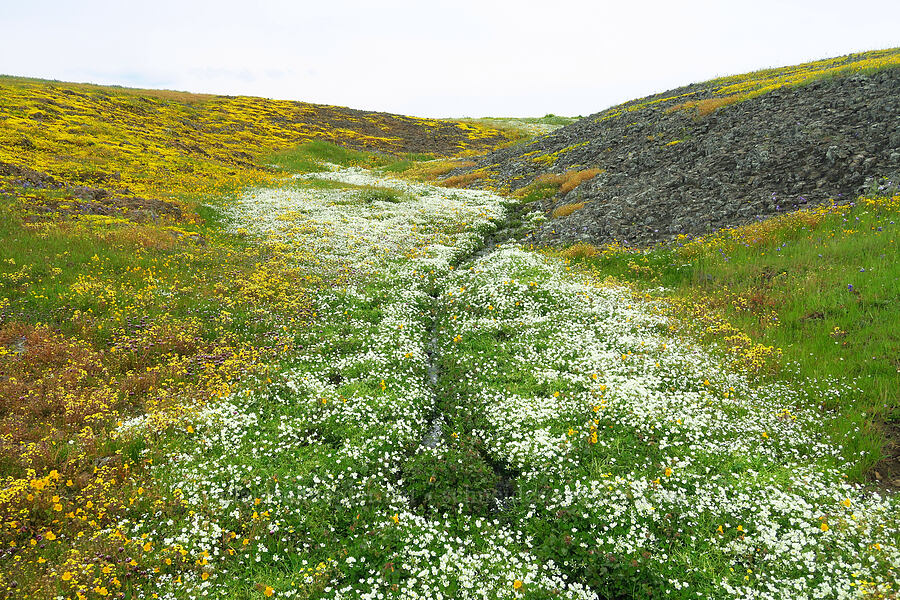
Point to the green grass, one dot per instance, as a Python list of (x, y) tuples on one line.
[(548, 119), (367, 193), (117, 255), (824, 290), (308, 158), (312, 156), (406, 161), (522, 129)]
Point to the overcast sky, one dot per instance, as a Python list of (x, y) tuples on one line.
[(431, 57)]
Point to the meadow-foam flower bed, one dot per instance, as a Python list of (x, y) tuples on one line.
[(645, 467), (373, 223), (295, 482), (492, 428)]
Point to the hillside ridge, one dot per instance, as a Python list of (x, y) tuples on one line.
[(164, 145), (710, 155)]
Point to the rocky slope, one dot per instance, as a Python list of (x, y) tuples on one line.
[(716, 154)]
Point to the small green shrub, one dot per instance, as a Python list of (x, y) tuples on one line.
[(450, 480), (377, 194)]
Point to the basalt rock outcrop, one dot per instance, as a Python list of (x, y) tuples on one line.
[(667, 171)]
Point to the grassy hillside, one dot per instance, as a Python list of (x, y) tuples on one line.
[(709, 96), (228, 371), (168, 145), (121, 292), (809, 296)]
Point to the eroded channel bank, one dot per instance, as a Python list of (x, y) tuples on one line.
[(635, 452)]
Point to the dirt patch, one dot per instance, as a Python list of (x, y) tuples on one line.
[(886, 472), (23, 183), (25, 177), (140, 210)]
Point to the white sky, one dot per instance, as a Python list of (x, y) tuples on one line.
[(432, 57)]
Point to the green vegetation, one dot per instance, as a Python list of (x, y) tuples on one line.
[(820, 286), (308, 157), (548, 119), (220, 379), (454, 479), (407, 161), (644, 466), (521, 129), (311, 157)]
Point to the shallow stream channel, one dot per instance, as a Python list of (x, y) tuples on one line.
[(467, 418)]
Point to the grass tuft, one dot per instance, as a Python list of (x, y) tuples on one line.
[(309, 157), (430, 171), (548, 184), (462, 180), (566, 209)]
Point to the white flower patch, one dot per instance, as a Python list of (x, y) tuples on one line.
[(428, 221), (635, 444), (635, 460), (483, 561), (310, 456)]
